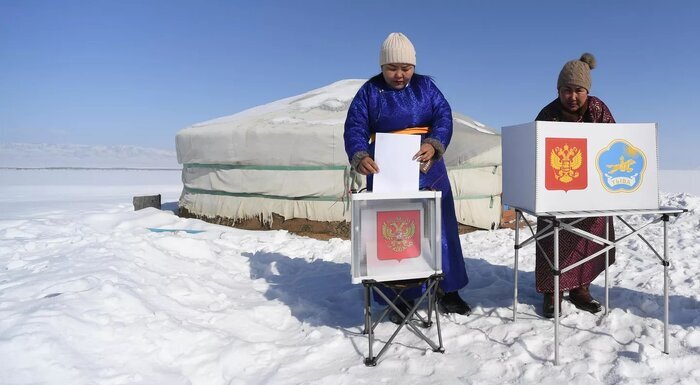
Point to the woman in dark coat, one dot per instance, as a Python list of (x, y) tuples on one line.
[(396, 100), (574, 104)]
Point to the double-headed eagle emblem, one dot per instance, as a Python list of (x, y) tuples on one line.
[(565, 161), (399, 233)]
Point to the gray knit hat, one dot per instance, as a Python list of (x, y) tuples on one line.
[(577, 72), (397, 49)]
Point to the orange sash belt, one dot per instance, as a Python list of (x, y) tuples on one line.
[(406, 131)]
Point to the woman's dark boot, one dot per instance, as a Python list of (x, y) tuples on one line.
[(582, 299), (548, 305), (452, 303)]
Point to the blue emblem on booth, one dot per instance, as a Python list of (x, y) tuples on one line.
[(621, 166)]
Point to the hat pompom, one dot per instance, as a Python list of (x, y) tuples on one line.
[(589, 59)]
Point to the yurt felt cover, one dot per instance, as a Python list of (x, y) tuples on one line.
[(287, 157)]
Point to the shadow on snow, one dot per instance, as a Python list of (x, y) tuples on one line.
[(320, 293)]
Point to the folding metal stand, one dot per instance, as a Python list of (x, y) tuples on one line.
[(556, 222), (398, 288)]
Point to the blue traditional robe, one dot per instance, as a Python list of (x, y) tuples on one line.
[(379, 108)]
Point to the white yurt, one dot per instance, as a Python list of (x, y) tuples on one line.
[(286, 159)]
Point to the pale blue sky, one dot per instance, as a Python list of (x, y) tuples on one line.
[(136, 72)]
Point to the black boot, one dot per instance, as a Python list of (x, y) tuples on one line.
[(548, 305), (395, 317), (452, 303), (582, 299)]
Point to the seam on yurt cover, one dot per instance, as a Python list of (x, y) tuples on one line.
[(462, 197), (470, 166), (261, 167), (466, 197), (256, 195)]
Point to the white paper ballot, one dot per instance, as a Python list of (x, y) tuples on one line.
[(398, 172)]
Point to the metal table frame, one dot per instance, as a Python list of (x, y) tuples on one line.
[(557, 222), (398, 287)]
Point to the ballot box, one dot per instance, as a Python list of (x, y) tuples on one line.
[(395, 236), (561, 166)]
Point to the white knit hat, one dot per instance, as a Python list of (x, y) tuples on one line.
[(397, 49)]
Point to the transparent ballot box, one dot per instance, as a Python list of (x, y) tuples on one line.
[(395, 236)]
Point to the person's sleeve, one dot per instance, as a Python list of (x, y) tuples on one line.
[(607, 115), (441, 126), (546, 113), (356, 133)]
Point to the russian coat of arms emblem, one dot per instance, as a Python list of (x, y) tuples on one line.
[(566, 167), (398, 234)]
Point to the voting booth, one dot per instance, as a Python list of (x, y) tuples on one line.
[(563, 172), (558, 166), (396, 246), (395, 236)]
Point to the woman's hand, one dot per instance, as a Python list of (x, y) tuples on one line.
[(367, 166), (426, 152)]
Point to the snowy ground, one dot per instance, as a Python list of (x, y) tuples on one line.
[(89, 295)]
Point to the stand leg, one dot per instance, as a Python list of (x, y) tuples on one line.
[(431, 295), (433, 300), (666, 350), (406, 320), (370, 360), (607, 263), (515, 266), (556, 294), (368, 314)]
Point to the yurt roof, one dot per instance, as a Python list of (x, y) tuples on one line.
[(306, 130)]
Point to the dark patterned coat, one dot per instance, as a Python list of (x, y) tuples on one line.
[(379, 108), (573, 248)]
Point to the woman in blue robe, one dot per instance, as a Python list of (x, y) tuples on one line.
[(397, 100)]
